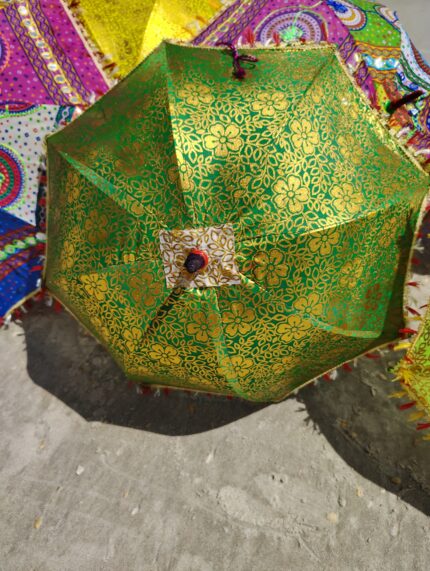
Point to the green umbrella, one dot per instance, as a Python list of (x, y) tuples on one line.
[(237, 237)]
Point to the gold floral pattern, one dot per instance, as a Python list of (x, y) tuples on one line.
[(204, 327), (238, 320), (324, 243), (270, 267), (223, 139), (291, 194), (304, 136), (164, 354), (269, 103), (95, 286), (347, 198), (294, 329), (305, 211)]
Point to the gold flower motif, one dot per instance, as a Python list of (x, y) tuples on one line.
[(351, 273), (349, 149), (304, 136), (95, 285), (309, 304), (165, 354), (68, 256), (294, 329), (223, 139), (269, 103), (284, 364), (270, 267), (95, 225), (144, 289), (317, 93), (196, 96), (73, 187), (133, 337), (241, 365), (347, 198), (238, 319), (204, 326), (291, 194), (323, 243), (184, 171)]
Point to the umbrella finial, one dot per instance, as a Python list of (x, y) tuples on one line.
[(238, 71), (196, 260)]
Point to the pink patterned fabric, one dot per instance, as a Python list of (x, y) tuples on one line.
[(43, 60)]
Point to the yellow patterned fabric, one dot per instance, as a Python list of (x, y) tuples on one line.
[(289, 180), (125, 31), (414, 371)]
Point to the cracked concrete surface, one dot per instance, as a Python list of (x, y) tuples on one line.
[(95, 477)]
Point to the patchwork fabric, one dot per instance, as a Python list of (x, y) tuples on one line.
[(22, 187), (42, 57), (45, 70)]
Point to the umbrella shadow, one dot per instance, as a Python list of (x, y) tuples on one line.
[(365, 427), (354, 413), (69, 363)]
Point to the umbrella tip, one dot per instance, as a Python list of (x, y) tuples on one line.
[(196, 260), (392, 106)]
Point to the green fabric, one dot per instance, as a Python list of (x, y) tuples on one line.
[(320, 198)]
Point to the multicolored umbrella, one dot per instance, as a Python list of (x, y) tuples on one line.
[(370, 38), (414, 373), (45, 70), (238, 237), (125, 31)]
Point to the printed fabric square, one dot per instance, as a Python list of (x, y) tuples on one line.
[(216, 242)]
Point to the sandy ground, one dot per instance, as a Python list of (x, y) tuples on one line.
[(95, 477)]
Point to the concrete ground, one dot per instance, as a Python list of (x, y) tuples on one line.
[(95, 477)]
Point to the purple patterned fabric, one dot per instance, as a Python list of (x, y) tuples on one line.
[(315, 21), (43, 60)]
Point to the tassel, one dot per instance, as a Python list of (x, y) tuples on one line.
[(276, 39), (398, 395), (407, 405), (416, 416), (249, 36), (407, 331), (413, 311), (423, 426)]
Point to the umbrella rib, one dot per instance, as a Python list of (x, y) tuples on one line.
[(107, 187), (177, 136), (334, 225)]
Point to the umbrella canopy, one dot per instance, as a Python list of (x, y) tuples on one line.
[(125, 31), (45, 70), (285, 189), (370, 38)]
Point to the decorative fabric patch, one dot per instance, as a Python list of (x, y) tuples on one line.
[(217, 242), (21, 150), (42, 57)]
